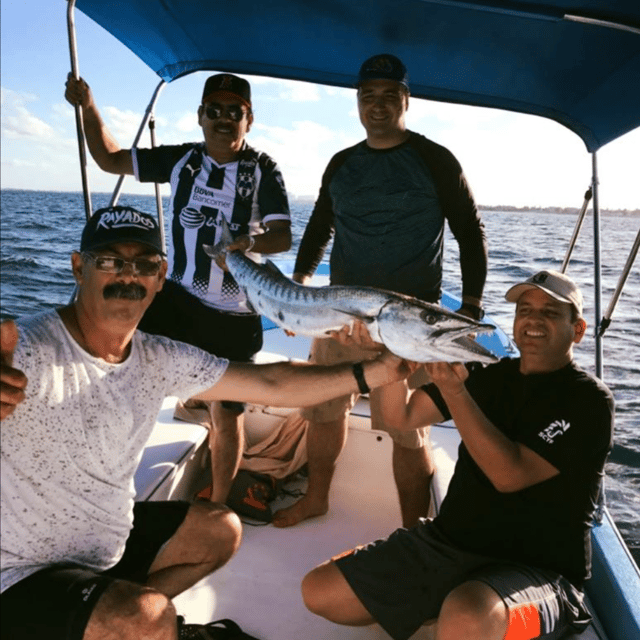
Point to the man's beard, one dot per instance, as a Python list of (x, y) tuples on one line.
[(131, 291)]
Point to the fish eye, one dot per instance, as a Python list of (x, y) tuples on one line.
[(429, 317)]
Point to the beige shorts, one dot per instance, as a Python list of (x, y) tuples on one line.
[(329, 351)]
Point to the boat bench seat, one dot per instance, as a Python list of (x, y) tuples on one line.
[(175, 454)]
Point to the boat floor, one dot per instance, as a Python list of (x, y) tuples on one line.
[(260, 587)]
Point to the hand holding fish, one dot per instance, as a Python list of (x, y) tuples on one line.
[(12, 381), (242, 243), (357, 335), (449, 377)]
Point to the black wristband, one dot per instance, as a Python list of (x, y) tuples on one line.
[(358, 373), (477, 313)]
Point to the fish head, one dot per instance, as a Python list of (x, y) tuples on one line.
[(425, 332)]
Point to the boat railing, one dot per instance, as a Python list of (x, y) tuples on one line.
[(82, 149)]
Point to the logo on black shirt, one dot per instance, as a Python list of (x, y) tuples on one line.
[(554, 430)]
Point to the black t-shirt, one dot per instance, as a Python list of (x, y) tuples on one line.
[(567, 418)]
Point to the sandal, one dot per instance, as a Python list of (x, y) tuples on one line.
[(219, 630)]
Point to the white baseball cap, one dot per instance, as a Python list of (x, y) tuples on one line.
[(556, 284)]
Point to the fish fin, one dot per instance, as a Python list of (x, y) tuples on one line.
[(356, 316), (213, 251), (271, 266), (251, 307)]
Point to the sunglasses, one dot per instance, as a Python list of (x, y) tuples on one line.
[(215, 111), (111, 264)]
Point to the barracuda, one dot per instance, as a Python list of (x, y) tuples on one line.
[(408, 327)]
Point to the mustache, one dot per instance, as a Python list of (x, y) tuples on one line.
[(131, 291)]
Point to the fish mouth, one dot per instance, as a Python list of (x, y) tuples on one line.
[(469, 345), (458, 342), (451, 334)]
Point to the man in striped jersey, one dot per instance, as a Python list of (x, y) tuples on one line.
[(221, 176)]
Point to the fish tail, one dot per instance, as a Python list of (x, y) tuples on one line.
[(213, 251)]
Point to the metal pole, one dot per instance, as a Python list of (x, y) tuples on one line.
[(147, 114), (73, 51), (585, 205), (152, 132), (606, 320), (597, 276)]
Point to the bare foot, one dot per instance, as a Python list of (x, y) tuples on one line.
[(301, 510)]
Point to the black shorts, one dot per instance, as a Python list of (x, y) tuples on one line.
[(402, 581), (178, 314), (56, 603)]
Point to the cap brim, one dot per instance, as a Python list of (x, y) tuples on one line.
[(224, 93), (513, 295), (104, 245)]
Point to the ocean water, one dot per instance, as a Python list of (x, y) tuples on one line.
[(40, 230)]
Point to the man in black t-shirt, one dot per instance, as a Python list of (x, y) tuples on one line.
[(508, 553)]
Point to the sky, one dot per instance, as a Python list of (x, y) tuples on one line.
[(509, 159)]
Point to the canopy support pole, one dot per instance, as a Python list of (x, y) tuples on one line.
[(145, 119), (82, 150), (597, 266), (587, 198), (606, 320), (152, 132)]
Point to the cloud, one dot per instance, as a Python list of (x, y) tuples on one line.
[(123, 125), (18, 122), (302, 151), (187, 123), (290, 90), (341, 92)]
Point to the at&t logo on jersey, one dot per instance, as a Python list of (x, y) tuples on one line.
[(191, 218), (554, 430)]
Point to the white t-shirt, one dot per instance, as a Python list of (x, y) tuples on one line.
[(70, 450)]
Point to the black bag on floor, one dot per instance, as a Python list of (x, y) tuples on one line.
[(251, 494)]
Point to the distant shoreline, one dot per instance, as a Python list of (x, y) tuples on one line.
[(570, 211), (502, 208)]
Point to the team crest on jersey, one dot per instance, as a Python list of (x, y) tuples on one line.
[(555, 429), (246, 185)]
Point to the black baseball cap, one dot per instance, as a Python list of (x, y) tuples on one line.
[(227, 83), (383, 66), (121, 224)]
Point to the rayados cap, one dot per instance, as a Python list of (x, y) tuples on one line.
[(120, 224), (227, 83), (383, 66), (556, 284)]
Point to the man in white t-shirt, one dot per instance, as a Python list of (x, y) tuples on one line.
[(218, 177), (79, 560)]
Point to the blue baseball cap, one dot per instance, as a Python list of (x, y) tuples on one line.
[(383, 66)]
